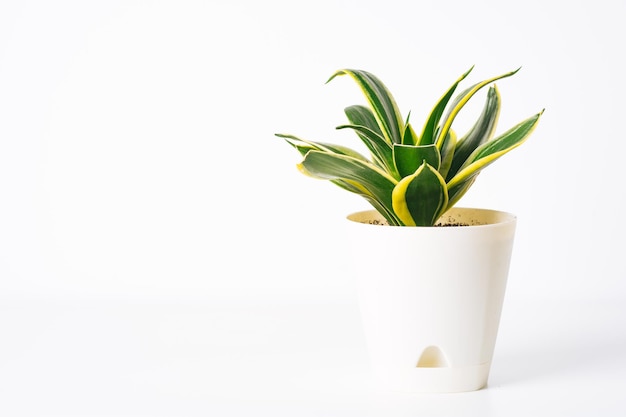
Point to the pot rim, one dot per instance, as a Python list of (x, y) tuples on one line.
[(492, 218)]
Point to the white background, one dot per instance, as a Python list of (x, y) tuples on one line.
[(161, 255)]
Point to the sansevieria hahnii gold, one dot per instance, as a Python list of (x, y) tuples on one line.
[(411, 178)]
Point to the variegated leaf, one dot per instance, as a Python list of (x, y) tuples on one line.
[(492, 150), (460, 101), (364, 176), (364, 124), (362, 116), (409, 137), (380, 150), (455, 193), (409, 158), (420, 199), (381, 101), (304, 146), (428, 132), (386, 212), (481, 132), (447, 152)]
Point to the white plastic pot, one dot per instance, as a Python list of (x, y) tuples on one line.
[(431, 297)]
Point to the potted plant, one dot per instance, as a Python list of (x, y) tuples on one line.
[(430, 296)]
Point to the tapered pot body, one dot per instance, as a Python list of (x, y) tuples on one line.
[(431, 297)]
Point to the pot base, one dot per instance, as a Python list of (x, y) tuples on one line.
[(432, 380)]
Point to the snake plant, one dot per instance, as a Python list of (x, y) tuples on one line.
[(412, 179)]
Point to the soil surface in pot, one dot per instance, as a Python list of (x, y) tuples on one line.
[(454, 224)]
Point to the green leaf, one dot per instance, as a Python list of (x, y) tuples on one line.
[(492, 150), (408, 158), (362, 116), (404, 177), (420, 199), (460, 101), (363, 175), (364, 124), (386, 212), (481, 132), (428, 132), (382, 102), (455, 193), (409, 137), (447, 152), (304, 146), (380, 150)]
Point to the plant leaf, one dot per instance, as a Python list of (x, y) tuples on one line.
[(420, 199), (409, 158), (481, 132), (428, 132), (362, 175), (304, 146), (364, 124), (380, 150), (460, 101), (381, 101), (362, 116), (447, 152), (386, 212), (409, 137), (455, 193), (492, 150)]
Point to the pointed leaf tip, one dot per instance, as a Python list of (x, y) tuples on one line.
[(336, 74)]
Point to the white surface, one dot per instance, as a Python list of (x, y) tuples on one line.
[(138, 165), (122, 358)]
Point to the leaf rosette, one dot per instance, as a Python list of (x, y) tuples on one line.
[(412, 179)]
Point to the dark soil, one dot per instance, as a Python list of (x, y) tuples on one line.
[(384, 223)]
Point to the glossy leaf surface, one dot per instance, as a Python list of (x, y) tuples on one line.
[(420, 199)]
